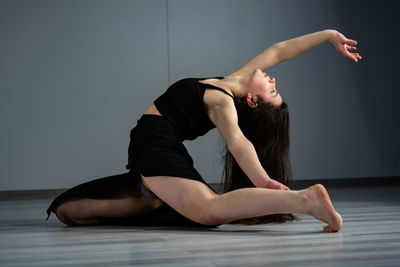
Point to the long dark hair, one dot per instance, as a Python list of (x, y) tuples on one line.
[(267, 127)]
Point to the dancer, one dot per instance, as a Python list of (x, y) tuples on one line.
[(250, 116)]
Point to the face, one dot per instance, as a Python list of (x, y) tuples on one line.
[(262, 87)]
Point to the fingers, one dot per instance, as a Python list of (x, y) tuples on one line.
[(351, 42), (345, 45), (284, 187), (350, 56), (355, 57), (349, 47), (273, 184)]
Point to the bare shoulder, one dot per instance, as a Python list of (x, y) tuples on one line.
[(220, 108), (215, 97), (218, 105)]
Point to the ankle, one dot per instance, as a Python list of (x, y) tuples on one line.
[(305, 202)]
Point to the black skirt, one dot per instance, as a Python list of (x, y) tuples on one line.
[(154, 150)]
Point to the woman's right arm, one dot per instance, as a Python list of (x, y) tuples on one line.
[(224, 116)]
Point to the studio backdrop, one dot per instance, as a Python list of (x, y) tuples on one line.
[(75, 76)]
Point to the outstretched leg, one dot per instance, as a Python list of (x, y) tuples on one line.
[(197, 202)]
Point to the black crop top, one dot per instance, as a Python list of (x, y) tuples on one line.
[(183, 106)]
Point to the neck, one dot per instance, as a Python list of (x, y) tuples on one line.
[(238, 85)]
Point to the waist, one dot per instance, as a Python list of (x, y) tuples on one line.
[(152, 110), (189, 122)]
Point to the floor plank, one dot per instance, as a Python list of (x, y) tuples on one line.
[(370, 237)]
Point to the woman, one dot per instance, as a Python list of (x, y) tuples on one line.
[(253, 120)]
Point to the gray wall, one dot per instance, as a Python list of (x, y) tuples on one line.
[(76, 75)]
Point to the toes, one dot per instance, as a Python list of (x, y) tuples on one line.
[(329, 229)]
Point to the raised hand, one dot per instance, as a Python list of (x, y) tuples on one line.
[(344, 46)]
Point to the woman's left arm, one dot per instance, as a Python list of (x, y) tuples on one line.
[(296, 46), (291, 48)]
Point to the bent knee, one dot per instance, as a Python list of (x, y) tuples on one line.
[(64, 214), (72, 212)]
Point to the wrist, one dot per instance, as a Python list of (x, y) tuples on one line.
[(330, 35), (265, 181)]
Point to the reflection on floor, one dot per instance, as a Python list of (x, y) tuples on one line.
[(370, 236)]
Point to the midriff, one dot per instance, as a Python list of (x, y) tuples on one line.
[(152, 110)]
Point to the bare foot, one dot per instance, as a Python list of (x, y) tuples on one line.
[(322, 209)]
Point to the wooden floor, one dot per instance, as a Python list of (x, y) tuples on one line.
[(370, 237)]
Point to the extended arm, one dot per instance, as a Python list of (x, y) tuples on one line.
[(224, 117), (289, 49)]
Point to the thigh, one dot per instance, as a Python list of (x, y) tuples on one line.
[(190, 198)]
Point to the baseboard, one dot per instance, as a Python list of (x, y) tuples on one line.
[(299, 184), (30, 194), (349, 182)]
